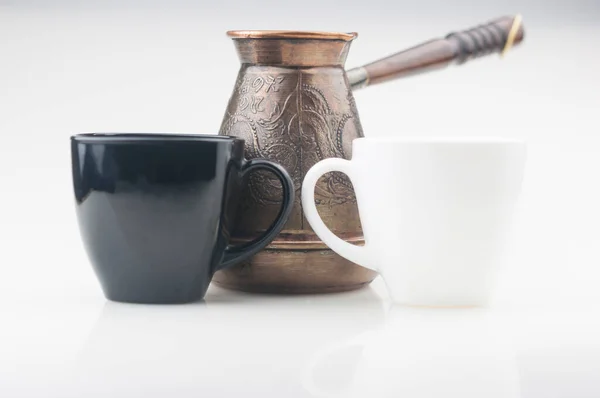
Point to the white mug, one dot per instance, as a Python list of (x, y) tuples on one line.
[(435, 213)]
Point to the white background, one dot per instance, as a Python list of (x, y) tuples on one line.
[(67, 67)]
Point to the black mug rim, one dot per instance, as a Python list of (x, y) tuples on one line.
[(116, 137)]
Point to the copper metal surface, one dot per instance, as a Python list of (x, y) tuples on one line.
[(292, 104), (290, 34), (294, 53), (295, 272)]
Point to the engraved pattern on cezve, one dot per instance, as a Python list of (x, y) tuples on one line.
[(287, 118)]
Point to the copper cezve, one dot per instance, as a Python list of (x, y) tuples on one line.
[(293, 104)]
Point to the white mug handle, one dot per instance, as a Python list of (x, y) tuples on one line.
[(356, 254)]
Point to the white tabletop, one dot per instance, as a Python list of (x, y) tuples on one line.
[(141, 66), (349, 344)]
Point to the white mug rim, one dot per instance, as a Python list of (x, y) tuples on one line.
[(440, 140)]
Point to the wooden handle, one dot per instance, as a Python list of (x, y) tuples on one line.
[(495, 36)]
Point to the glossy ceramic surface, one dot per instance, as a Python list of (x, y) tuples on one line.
[(435, 213), (155, 211)]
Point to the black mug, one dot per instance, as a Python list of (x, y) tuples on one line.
[(155, 211)]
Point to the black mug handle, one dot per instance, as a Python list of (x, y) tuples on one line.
[(235, 254)]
